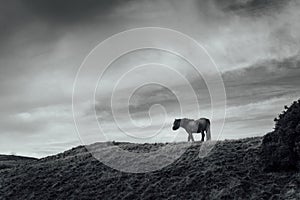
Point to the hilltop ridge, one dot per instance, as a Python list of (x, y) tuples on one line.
[(233, 169)]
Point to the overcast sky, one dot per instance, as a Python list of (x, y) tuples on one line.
[(255, 44)]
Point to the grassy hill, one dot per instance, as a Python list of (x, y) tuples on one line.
[(232, 171), (10, 161)]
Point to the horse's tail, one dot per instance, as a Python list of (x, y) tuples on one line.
[(208, 133)]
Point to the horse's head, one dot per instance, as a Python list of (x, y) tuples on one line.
[(176, 124)]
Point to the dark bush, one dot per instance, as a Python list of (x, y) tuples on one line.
[(281, 148)]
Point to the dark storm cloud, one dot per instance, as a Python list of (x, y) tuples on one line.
[(253, 7), (141, 101), (71, 11), (13, 17), (29, 34), (262, 81), (139, 104), (55, 15)]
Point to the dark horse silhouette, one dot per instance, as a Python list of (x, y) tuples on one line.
[(194, 126)]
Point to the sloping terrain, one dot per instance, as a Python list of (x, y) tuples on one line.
[(10, 161), (232, 171)]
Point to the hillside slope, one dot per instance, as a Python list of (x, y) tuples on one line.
[(10, 161), (232, 171)]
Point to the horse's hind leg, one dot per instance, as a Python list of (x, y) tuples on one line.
[(203, 135)]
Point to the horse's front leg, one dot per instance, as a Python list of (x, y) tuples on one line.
[(189, 137), (192, 138)]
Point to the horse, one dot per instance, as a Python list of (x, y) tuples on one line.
[(194, 126)]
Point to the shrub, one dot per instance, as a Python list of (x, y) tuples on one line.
[(281, 148)]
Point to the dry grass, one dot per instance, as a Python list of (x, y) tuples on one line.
[(231, 171)]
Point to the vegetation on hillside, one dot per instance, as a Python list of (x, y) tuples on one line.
[(281, 148)]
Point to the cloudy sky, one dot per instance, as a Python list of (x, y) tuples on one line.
[(255, 44)]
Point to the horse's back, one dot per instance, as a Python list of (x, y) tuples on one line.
[(204, 119)]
